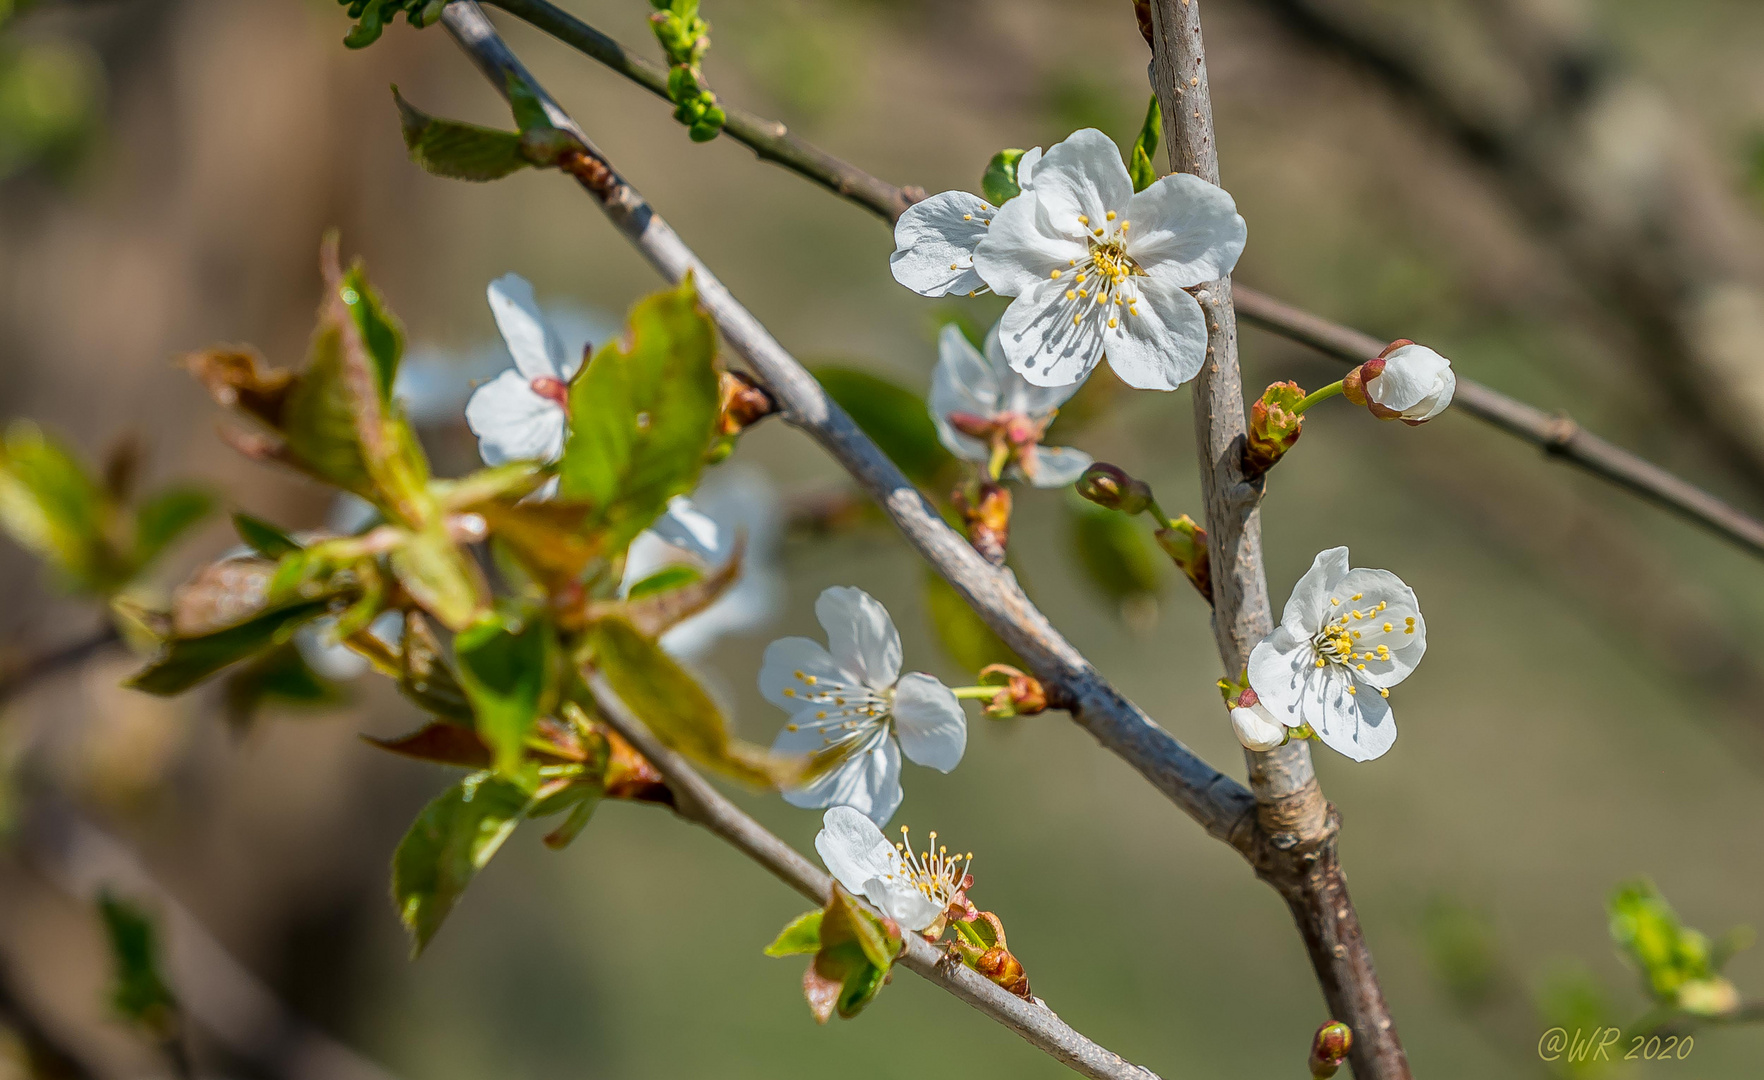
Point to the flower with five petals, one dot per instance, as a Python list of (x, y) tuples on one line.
[(914, 889), (985, 411)]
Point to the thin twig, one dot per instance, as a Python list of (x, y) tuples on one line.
[(770, 139), (20, 676), (700, 803), (1564, 441), (1556, 435), (1300, 858)]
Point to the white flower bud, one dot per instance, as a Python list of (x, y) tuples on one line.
[(1257, 728), (1415, 385)]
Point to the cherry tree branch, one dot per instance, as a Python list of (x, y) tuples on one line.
[(1556, 435), (17, 677), (1300, 858), (702, 804), (1560, 437), (769, 139)]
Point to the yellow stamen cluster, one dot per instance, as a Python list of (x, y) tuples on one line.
[(856, 712), (936, 873), (1106, 269)]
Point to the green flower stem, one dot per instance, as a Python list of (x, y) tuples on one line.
[(1312, 398), (975, 693), (1158, 515), (1001, 456)]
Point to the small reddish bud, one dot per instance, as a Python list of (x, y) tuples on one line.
[(1142, 12), (987, 510), (744, 403), (1019, 694), (1329, 1048), (1273, 427), (552, 389), (1110, 487), (1353, 387), (1247, 699), (1001, 967), (1186, 544), (978, 427)]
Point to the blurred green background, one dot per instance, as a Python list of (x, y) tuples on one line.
[(1590, 710)]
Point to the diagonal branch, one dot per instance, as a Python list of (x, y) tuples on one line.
[(700, 803), (1562, 439), (1299, 858)]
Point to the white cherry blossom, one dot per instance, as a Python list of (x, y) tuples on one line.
[(915, 890), (734, 502), (1415, 384), (1098, 270), (983, 388), (935, 238), (523, 413), (1345, 638), (851, 695)]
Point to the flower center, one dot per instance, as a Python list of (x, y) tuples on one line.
[(937, 874), (1339, 642), (552, 389), (847, 714), (1099, 281)]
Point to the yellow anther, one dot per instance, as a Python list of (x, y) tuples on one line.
[(1083, 220), (790, 727), (1071, 294), (1098, 232), (953, 266), (1334, 601), (967, 217), (1382, 692), (1111, 324), (1387, 628), (788, 692), (1320, 661), (1076, 319), (1081, 275), (1351, 690), (1356, 596), (1054, 274), (1083, 292)]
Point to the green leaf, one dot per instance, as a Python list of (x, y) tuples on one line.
[(1139, 160), (964, 636), (528, 110), (318, 418), (262, 537), (895, 417), (451, 840), (380, 330), (676, 709), (1115, 552), (186, 661), (457, 150), (503, 667), (857, 951), (51, 507), (138, 992), (643, 414), (166, 516), (663, 580), (586, 798), (801, 935), (999, 182), (439, 577)]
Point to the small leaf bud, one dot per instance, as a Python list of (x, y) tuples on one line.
[(1273, 427), (987, 510), (1019, 694), (1329, 1048), (1110, 487)]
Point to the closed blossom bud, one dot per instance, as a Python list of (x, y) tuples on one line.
[(1406, 382), (1019, 694), (1273, 427), (1110, 487), (1186, 544), (1329, 1048), (744, 403), (987, 511), (1001, 967), (1256, 728)]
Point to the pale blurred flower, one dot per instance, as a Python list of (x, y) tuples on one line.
[(1099, 270), (915, 890), (986, 395), (522, 414), (935, 238), (1345, 638), (851, 696)]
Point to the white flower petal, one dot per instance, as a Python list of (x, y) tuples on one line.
[(901, 900), (689, 530), (1407, 642), (513, 423), (535, 348), (1160, 342), (779, 673), (934, 244), (854, 849), (868, 781), (1057, 466), (1023, 249), (1185, 230), (1082, 175), (1279, 667), (752, 602), (962, 382), (1042, 341), (860, 636), (1257, 728), (929, 721), (1359, 725), (1308, 607), (1026, 167), (1416, 381), (1018, 394)]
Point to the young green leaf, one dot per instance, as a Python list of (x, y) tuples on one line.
[(801, 935), (643, 414), (186, 661), (1139, 160), (999, 182), (380, 331), (440, 577), (451, 840), (138, 992), (457, 150), (262, 537), (895, 417), (504, 667), (53, 508), (663, 580)]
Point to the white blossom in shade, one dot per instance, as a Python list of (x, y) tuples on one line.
[(1256, 727), (1415, 385), (984, 387), (1345, 638), (734, 503), (935, 238), (1098, 270), (523, 413), (850, 695), (915, 890)]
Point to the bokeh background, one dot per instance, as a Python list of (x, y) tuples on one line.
[(1590, 710)]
